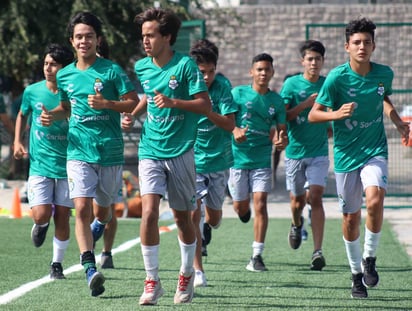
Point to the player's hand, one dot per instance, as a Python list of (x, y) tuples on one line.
[(46, 118), (127, 121), (281, 140), (345, 111), (97, 101), (19, 151), (162, 101), (239, 134), (404, 129)]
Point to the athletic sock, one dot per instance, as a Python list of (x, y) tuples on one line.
[(187, 254), (151, 260), (353, 251)]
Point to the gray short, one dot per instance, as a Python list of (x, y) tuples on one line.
[(243, 182), (87, 180), (176, 176), (350, 186), (211, 188), (302, 173), (43, 190)]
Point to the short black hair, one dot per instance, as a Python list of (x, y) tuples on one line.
[(60, 53), (263, 57), (312, 45), (169, 22), (360, 25), (86, 18), (204, 51)]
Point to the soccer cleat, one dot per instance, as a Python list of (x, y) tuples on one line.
[(106, 261), (97, 230), (295, 234), (184, 290), (95, 280), (358, 289), (38, 234), (152, 292), (56, 271), (200, 279), (256, 264), (245, 218), (370, 275), (207, 233), (318, 261)]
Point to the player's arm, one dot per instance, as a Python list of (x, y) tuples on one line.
[(126, 103), (199, 104), (61, 112), (319, 114), (390, 111), (292, 113), (18, 147), (226, 122)]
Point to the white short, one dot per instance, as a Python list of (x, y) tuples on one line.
[(350, 186), (211, 188), (87, 180), (176, 176), (43, 190), (302, 173), (243, 182)]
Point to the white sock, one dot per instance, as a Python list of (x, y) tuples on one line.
[(151, 260), (371, 243), (59, 249), (187, 254), (257, 248), (353, 251)]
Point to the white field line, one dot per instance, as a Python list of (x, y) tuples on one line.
[(27, 287)]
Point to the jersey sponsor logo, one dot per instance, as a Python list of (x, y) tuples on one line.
[(300, 120), (352, 92), (173, 83), (302, 94), (381, 89), (92, 118), (271, 111), (161, 119), (145, 84), (70, 88), (351, 124)]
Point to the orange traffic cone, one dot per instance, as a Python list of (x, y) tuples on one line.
[(16, 206)]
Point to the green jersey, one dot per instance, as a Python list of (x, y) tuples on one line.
[(48, 144), (260, 113), (95, 136), (169, 132), (306, 140), (362, 136), (213, 147), (2, 111)]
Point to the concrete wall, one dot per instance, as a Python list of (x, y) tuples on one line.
[(278, 30)]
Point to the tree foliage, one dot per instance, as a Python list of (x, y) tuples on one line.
[(27, 26)]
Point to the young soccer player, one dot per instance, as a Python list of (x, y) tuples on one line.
[(260, 123), (89, 90), (306, 159), (48, 189), (354, 96), (213, 150), (176, 95)]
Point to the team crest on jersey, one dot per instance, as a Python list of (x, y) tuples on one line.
[(271, 111), (381, 89), (98, 85), (173, 84)]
